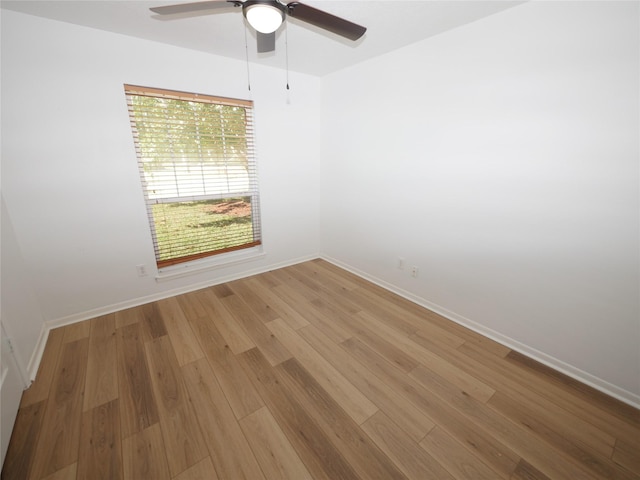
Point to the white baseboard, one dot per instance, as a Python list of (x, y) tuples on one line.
[(116, 307), (550, 361), (599, 384), (36, 355), (49, 325)]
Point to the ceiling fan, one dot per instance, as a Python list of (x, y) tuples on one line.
[(266, 16)]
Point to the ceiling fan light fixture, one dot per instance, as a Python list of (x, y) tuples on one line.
[(265, 17)]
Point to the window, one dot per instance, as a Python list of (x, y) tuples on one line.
[(196, 161)]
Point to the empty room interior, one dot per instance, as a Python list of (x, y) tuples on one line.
[(439, 269)]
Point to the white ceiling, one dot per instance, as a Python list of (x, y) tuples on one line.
[(390, 25)]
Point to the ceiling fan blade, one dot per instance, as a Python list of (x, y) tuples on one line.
[(266, 42), (194, 7), (325, 20)]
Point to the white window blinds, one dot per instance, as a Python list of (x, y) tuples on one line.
[(197, 165)]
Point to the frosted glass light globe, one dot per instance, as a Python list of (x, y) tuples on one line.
[(264, 18)]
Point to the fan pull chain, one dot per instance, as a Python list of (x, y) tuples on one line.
[(246, 51), (286, 50)]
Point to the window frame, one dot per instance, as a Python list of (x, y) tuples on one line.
[(252, 176)]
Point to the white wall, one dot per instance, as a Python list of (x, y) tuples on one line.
[(501, 158), (70, 176)]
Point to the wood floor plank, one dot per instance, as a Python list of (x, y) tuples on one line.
[(151, 321), (40, 388), (526, 471), (237, 388), (615, 407), (388, 350), (185, 344), (76, 331), (101, 385), (191, 305), (411, 419), (344, 392), (332, 298), (221, 290), (553, 396), (399, 318), (126, 317), (337, 313), (311, 288), (234, 334), (67, 473), (346, 274), (525, 395), (627, 455), (438, 335), (144, 455), (138, 409), (322, 459), (244, 290), (22, 447), (337, 280), (286, 279), (541, 455), (455, 375), (268, 279), (59, 437), (100, 455), (563, 440), (202, 470), (371, 302), (274, 452), (262, 289), (491, 451), (229, 450), (181, 433), (262, 337), (308, 311), (362, 454), (455, 458), (426, 315), (414, 461)]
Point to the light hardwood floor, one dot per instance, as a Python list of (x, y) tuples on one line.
[(306, 372)]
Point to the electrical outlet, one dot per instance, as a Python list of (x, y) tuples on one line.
[(414, 271), (400, 263), (142, 270)]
